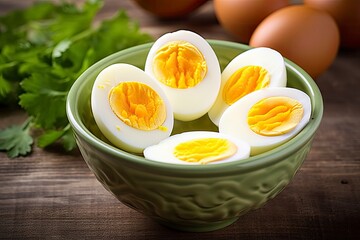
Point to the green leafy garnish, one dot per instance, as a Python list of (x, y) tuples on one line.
[(16, 140), (43, 50)]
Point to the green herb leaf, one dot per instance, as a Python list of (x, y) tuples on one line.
[(63, 135), (68, 139), (16, 140), (27, 37), (50, 137), (5, 87), (43, 50), (45, 99)]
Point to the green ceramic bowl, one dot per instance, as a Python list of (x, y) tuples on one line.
[(184, 197)]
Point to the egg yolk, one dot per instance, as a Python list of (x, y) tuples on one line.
[(244, 81), (205, 150), (179, 64), (137, 105), (274, 116)]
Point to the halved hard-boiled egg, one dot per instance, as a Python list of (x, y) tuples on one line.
[(188, 70), (198, 147), (130, 108), (251, 70), (267, 118)]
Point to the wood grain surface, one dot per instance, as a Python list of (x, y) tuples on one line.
[(53, 195)]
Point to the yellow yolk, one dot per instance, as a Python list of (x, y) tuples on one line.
[(245, 80), (137, 105), (179, 64), (274, 116), (205, 150)]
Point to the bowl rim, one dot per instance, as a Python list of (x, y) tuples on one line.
[(252, 163)]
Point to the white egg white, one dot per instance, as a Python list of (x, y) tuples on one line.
[(115, 130), (190, 103), (163, 151), (234, 120), (264, 57)]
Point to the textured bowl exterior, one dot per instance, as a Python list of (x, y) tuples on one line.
[(189, 198), (192, 203)]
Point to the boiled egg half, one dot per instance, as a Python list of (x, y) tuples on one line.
[(130, 108), (188, 70), (267, 118), (198, 147), (251, 70)]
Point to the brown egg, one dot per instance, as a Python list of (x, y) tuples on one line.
[(347, 15), (170, 9), (241, 17), (307, 36)]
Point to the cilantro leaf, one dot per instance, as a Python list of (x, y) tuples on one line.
[(16, 140), (50, 137), (27, 37), (64, 135), (45, 99), (111, 35), (43, 50), (5, 87), (68, 140)]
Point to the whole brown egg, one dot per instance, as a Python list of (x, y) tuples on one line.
[(307, 36), (170, 9), (347, 15), (241, 17)]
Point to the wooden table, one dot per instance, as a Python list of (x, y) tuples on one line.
[(51, 194)]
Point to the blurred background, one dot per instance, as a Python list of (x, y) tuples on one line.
[(310, 38)]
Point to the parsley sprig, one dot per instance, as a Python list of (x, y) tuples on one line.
[(43, 50), (16, 140)]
